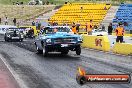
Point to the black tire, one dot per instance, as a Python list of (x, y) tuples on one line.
[(5, 39), (38, 50), (45, 52), (78, 50)]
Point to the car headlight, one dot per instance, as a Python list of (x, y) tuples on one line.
[(79, 38), (48, 40), (8, 36), (22, 36)]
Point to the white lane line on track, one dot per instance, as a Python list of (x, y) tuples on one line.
[(14, 74)]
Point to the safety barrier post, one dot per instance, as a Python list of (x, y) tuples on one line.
[(96, 42), (122, 48)]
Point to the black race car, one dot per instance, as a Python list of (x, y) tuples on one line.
[(13, 34)]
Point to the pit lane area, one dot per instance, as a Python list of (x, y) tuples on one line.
[(59, 71)]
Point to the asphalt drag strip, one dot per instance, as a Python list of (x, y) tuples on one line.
[(59, 71), (54, 71)]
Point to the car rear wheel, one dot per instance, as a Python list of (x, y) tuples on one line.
[(39, 51), (45, 52), (78, 50)]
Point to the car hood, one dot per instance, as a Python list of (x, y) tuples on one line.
[(60, 35)]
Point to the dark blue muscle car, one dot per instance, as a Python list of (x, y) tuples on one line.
[(57, 39)]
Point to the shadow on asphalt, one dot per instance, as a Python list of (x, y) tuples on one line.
[(58, 56)]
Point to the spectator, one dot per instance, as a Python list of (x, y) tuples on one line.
[(33, 23), (86, 27), (43, 2), (37, 2), (103, 27), (74, 28), (14, 21), (125, 24), (0, 20), (21, 3), (17, 3), (55, 24), (105, 8), (13, 3), (81, 9), (18, 24), (47, 2), (110, 28), (95, 26), (55, 30), (39, 25), (77, 27), (120, 33), (30, 33), (89, 27), (6, 21)]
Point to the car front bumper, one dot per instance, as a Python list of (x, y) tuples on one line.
[(62, 47), (14, 38)]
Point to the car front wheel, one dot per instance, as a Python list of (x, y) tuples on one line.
[(78, 50), (39, 51), (5, 39), (45, 52)]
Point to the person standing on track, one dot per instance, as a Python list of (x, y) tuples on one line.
[(77, 27), (110, 28), (120, 33), (89, 27), (74, 28)]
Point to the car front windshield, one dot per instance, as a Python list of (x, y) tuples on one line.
[(54, 30), (12, 31)]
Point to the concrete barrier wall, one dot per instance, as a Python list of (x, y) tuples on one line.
[(96, 42), (122, 48)]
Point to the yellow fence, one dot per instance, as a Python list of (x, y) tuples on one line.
[(96, 42), (122, 48)]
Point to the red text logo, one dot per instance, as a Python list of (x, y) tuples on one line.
[(98, 42)]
